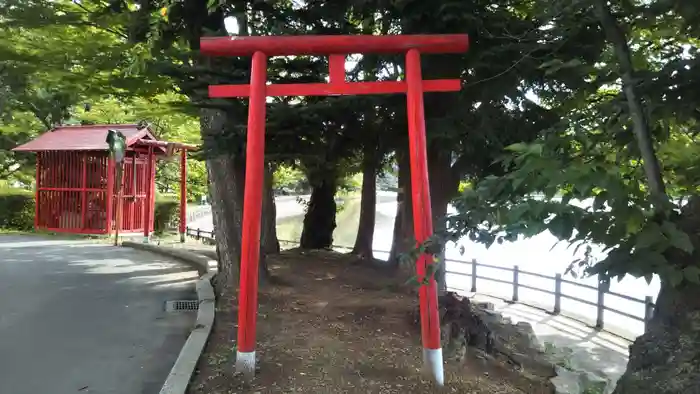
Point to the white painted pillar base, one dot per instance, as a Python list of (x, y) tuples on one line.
[(432, 364), (245, 364), (145, 240)]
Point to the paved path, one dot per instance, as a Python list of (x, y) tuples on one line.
[(80, 317)]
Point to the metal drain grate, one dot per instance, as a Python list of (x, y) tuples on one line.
[(181, 305)]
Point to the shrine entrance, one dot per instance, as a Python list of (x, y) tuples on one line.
[(337, 48)]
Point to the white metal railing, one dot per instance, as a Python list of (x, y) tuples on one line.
[(515, 273)]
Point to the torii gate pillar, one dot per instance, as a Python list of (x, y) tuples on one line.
[(337, 47)]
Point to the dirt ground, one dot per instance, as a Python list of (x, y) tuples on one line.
[(336, 326)]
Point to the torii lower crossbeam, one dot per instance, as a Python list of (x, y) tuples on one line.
[(337, 47)]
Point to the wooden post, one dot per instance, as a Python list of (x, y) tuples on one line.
[(83, 194), (557, 294), (474, 277), (516, 274), (183, 193), (602, 289), (252, 211), (37, 194), (120, 204), (422, 218), (648, 311), (147, 201), (109, 194)]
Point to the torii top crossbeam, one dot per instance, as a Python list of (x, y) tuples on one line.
[(325, 45), (336, 47)]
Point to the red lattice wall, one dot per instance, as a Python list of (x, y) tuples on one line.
[(72, 192)]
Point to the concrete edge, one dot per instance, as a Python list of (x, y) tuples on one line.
[(196, 261), (181, 373)]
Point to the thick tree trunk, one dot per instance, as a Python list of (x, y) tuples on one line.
[(268, 234), (226, 189), (443, 187), (226, 185), (403, 240), (319, 221), (368, 205), (666, 359)]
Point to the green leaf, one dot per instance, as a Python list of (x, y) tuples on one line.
[(675, 277), (677, 237), (519, 147), (650, 236), (562, 226), (692, 274), (634, 222)]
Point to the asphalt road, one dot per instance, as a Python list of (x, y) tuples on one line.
[(80, 317)]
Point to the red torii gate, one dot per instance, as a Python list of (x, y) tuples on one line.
[(337, 47)]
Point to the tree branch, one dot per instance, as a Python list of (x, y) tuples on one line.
[(641, 128)]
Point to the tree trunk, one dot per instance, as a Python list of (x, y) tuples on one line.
[(319, 221), (268, 234), (226, 186), (368, 205), (403, 240), (226, 189), (666, 359), (443, 187), (640, 122)]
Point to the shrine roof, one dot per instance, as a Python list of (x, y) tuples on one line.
[(84, 137)]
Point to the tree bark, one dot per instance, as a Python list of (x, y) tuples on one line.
[(268, 235), (319, 221), (666, 358), (368, 204), (444, 185), (226, 187), (403, 239)]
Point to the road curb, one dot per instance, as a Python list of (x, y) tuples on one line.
[(181, 374), (196, 261)]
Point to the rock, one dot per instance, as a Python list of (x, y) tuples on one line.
[(594, 384), (580, 367), (487, 306), (566, 382), (528, 332)]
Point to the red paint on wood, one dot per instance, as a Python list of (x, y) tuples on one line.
[(37, 199), (328, 89), (337, 44), (252, 206), (183, 193), (336, 69), (84, 137), (84, 193), (420, 190), (149, 190)]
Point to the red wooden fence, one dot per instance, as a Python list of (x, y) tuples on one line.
[(72, 192)]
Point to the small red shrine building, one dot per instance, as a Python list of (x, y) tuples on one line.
[(75, 179)]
